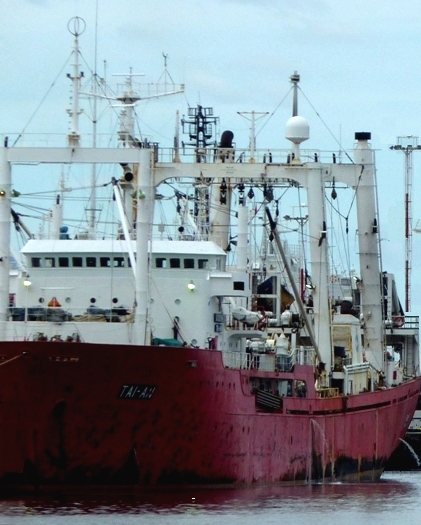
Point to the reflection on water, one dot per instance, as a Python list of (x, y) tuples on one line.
[(396, 499)]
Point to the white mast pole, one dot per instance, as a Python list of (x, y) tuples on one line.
[(57, 218), (319, 265), (252, 130), (124, 225), (368, 236), (76, 27), (144, 216), (92, 215), (242, 237), (5, 205), (177, 138), (252, 137)]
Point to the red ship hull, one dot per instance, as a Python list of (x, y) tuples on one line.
[(86, 415)]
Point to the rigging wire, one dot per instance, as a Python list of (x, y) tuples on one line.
[(48, 193), (346, 264), (326, 126), (42, 101), (346, 217), (274, 111)]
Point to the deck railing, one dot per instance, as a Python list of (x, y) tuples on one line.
[(269, 362)]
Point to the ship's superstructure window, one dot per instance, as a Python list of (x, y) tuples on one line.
[(175, 263), (238, 285), (118, 262), (187, 262), (300, 389), (161, 262)]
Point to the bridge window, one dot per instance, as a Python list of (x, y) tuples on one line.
[(50, 262), (77, 262), (63, 262), (91, 262), (188, 263), (118, 262), (175, 263), (203, 264), (161, 262), (36, 262), (104, 262)]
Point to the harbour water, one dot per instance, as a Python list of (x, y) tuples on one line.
[(396, 499)]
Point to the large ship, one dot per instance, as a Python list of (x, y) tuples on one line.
[(179, 354)]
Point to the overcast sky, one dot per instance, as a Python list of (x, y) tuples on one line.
[(358, 61)]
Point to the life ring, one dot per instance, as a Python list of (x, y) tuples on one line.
[(398, 320)]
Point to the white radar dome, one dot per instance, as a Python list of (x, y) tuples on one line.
[(297, 130)]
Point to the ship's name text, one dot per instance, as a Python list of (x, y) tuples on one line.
[(136, 391)]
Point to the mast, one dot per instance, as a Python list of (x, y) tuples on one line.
[(92, 215), (145, 202), (128, 97), (368, 238), (411, 144), (76, 27), (295, 78), (209, 210), (242, 232), (320, 271), (297, 131), (177, 138), (252, 120), (5, 207), (56, 218)]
